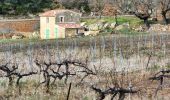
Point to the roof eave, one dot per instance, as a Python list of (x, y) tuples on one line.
[(46, 16)]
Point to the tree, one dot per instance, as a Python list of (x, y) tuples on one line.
[(143, 10), (165, 7), (110, 10), (24, 7), (97, 6), (123, 5), (82, 5)]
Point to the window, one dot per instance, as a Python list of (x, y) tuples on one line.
[(47, 20), (61, 19)]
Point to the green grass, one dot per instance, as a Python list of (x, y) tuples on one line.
[(17, 40), (26, 40), (168, 66), (133, 21), (127, 31)]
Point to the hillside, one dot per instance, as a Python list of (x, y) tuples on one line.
[(26, 7)]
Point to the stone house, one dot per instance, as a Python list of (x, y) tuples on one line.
[(59, 23)]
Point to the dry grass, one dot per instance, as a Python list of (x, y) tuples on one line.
[(139, 81)]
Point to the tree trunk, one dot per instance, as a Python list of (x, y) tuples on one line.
[(68, 94), (165, 21), (116, 20), (121, 96), (146, 23), (100, 14), (47, 84), (143, 17), (10, 81)]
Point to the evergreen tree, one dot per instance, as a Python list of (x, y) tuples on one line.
[(24, 7)]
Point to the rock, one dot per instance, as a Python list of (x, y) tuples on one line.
[(124, 25), (164, 29), (113, 25), (34, 35), (106, 25), (159, 27), (96, 27), (120, 27), (93, 33), (139, 29), (17, 37), (93, 27), (83, 23), (100, 26)]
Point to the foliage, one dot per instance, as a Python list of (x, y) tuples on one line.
[(109, 10), (82, 5), (24, 7)]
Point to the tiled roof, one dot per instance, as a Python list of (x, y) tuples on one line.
[(69, 25), (52, 13)]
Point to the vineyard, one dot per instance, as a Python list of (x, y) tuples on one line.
[(93, 68)]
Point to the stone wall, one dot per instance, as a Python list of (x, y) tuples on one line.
[(69, 16), (22, 25), (70, 32), (160, 28)]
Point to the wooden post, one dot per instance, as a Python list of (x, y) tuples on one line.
[(68, 94)]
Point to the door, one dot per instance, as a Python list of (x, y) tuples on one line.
[(47, 34)]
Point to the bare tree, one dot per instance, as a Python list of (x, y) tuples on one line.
[(123, 5), (12, 74), (143, 10), (9, 72), (160, 76), (110, 10), (165, 7), (113, 92), (52, 73), (97, 6)]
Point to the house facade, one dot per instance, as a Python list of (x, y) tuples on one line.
[(59, 24)]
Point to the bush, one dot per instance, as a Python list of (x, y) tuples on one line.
[(34, 35)]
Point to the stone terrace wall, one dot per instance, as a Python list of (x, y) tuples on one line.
[(20, 25)]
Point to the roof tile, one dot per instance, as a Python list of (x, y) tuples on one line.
[(52, 13)]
